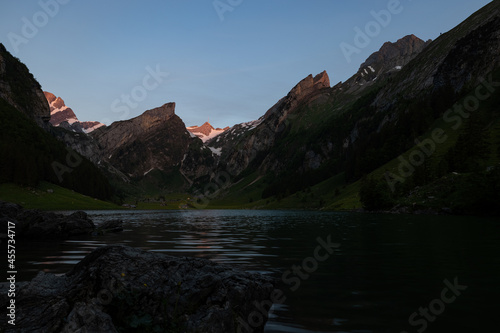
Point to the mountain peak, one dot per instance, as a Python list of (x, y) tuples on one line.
[(322, 79), (391, 57), (395, 54), (49, 96), (163, 112), (59, 112), (61, 115), (309, 85), (206, 131)]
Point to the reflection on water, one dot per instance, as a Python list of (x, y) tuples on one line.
[(387, 266)]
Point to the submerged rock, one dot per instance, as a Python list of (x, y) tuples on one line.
[(110, 226), (118, 288)]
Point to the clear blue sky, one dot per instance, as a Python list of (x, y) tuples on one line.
[(232, 70)]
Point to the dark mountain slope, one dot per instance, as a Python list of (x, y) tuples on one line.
[(155, 140), (390, 59), (468, 41), (19, 88), (29, 155), (302, 139), (344, 133), (29, 152)]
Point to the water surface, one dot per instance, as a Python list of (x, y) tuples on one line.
[(386, 267)]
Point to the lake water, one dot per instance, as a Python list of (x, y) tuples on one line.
[(386, 268)]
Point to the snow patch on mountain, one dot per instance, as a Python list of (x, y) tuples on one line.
[(216, 151), (206, 131), (93, 128), (252, 124), (62, 115), (145, 173)]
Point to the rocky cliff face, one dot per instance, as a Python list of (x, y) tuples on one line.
[(317, 132), (59, 112), (440, 75), (62, 115), (72, 132), (157, 139), (458, 59), (314, 127), (243, 143), (395, 54), (461, 65), (307, 87), (391, 57), (462, 54), (19, 88)]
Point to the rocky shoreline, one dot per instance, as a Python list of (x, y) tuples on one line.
[(407, 210), (123, 289), (35, 224)]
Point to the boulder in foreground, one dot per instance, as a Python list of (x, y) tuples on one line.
[(123, 289)]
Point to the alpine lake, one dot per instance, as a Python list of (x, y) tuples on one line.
[(338, 272)]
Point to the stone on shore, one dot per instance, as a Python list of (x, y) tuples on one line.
[(35, 224), (119, 288)]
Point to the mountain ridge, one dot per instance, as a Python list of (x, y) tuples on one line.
[(64, 116), (316, 134), (343, 133), (30, 152), (123, 142), (206, 131), (389, 59), (19, 88)]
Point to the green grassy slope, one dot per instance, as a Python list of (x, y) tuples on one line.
[(412, 112), (60, 198), (432, 193), (434, 189)]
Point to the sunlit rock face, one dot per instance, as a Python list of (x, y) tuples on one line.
[(243, 143), (62, 115), (206, 131)]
